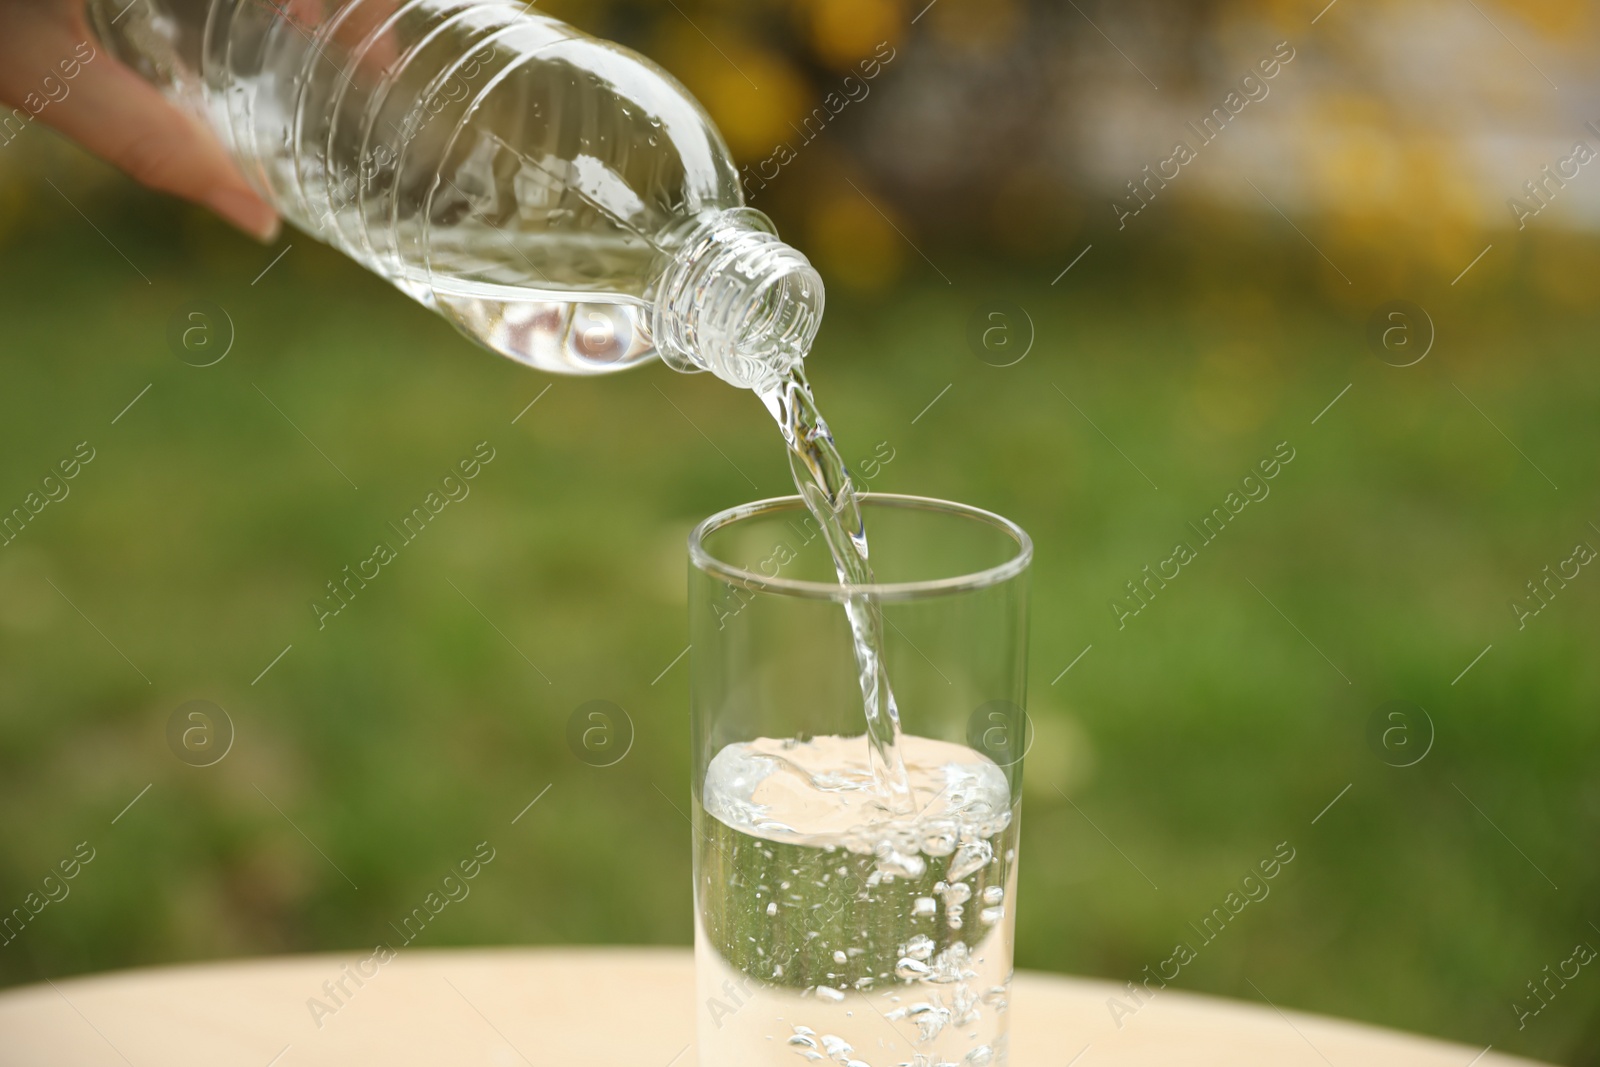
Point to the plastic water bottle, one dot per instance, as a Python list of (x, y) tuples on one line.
[(561, 199)]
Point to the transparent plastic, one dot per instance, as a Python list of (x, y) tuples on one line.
[(561, 199)]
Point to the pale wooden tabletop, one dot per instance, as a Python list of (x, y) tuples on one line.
[(600, 1007)]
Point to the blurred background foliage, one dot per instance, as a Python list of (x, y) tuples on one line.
[(1218, 323)]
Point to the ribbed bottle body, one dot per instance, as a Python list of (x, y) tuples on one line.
[(529, 182)]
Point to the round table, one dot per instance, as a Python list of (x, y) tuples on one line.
[(598, 1007)]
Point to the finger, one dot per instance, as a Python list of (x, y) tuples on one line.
[(127, 122)]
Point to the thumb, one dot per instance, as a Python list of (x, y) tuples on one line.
[(127, 122)]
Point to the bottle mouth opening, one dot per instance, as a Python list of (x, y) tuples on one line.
[(741, 303), (772, 330)]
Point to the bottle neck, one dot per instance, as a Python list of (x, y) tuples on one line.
[(738, 302)]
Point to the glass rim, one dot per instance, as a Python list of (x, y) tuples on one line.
[(704, 561)]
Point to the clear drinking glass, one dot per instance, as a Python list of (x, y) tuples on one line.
[(828, 928)]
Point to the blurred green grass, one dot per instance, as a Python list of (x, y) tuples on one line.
[(412, 727)]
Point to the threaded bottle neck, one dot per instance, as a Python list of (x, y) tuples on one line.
[(738, 302)]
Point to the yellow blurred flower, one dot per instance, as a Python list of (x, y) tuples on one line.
[(1281, 15), (843, 32), (752, 93), (1557, 19), (852, 244), (1398, 202)]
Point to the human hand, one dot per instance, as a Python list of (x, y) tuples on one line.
[(111, 111)]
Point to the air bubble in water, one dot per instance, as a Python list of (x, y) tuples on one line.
[(891, 861), (969, 858), (940, 841), (836, 1046), (964, 1006), (909, 968), (930, 1019)]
